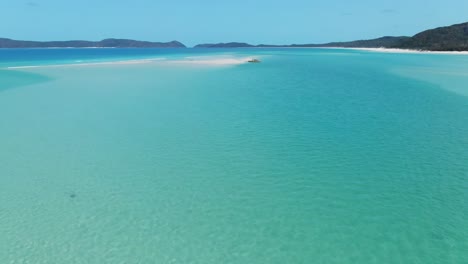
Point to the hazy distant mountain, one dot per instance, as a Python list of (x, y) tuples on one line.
[(369, 43), (106, 43), (372, 43), (451, 38)]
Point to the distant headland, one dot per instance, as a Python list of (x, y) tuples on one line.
[(451, 38), (371, 43), (106, 43)]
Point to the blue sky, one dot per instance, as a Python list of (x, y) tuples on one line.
[(202, 21)]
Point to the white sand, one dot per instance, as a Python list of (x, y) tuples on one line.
[(386, 50), (206, 61), (210, 61)]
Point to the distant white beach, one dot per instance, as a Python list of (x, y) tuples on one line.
[(389, 50)]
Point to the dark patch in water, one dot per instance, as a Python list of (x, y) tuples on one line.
[(72, 195), (437, 236)]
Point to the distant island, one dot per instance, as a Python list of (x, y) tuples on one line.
[(106, 43), (451, 38), (371, 43)]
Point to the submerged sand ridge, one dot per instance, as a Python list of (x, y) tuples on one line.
[(201, 60)]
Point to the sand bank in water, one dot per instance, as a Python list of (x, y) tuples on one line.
[(207, 61)]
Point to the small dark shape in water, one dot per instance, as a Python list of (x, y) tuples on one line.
[(437, 236), (72, 195), (253, 61)]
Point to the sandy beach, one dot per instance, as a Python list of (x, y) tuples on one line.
[(388, 50)]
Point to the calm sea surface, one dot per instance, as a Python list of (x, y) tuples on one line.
[(312, 156)]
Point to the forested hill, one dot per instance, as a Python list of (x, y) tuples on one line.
[(451, 38)]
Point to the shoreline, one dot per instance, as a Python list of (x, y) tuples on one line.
[(406, 51), (226, 60), (383, 50)]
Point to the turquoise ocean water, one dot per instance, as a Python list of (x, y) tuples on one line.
[(312, 156)]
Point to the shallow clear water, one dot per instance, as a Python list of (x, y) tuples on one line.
[(312, 156)]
